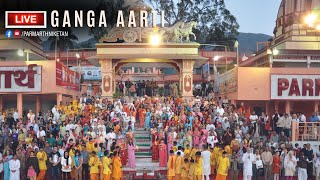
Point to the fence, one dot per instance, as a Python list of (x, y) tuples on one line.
[(305, 131)]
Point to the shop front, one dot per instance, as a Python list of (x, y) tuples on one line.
[(271, 90), (35, 85)]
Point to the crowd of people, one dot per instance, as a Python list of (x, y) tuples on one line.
[(194, 139)]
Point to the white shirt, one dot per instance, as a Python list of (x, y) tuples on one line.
[(15, 116), (210, 126), (212, 140), (253, 118), (247, 164), (69, 126), (41, 134), (303, 118), (64, 163), (206, 162)]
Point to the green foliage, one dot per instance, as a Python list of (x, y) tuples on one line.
[(111, 8), (215, 22)]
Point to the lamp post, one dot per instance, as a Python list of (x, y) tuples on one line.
[(225, 51), (27, 51), (271, 53), (236, 45)]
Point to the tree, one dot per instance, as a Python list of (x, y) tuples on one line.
[(215, 22), (111, 8), (63, 42)]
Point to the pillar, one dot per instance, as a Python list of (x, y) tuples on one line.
[(38, 106), (1, 102), (107, 73), (276, 106), (187, 78), (267, 108), (316, 106), (287, 107), (59, 98), (19, 104)]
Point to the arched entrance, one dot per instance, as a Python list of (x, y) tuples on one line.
[(112, 56)]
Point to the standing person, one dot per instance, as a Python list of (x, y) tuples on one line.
[(14, 166), (267, 160), (223, 166), (290, 164), (78, 160), (32, 166), (302, 164), (198, 171), (6, 168), (85, 166), (131, 154), (316, 163), (106, 164), (94, 163), (234, 166), (179, 164), (42, 159), (116, 167), (55, 159), (162, 154), (308, 152), (171, 166), (1, 163), (276, 166), (255, 168), (247, 159), (206, 163), (253, 119), (66, 166)]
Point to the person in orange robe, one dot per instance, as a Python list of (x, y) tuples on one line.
[(116, 167), (142, 116), (94, 164), (171, 166), (87, 111), (178, 167), (276, 165)]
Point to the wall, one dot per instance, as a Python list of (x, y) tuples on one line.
[(48, 76)]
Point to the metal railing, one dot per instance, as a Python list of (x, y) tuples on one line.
[(305, 131)]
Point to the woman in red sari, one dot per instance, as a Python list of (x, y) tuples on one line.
[(142, 115), (155, 146), (87, 111), (124, 152), (162, 154)]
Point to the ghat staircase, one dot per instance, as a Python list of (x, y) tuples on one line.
[(145, 168)]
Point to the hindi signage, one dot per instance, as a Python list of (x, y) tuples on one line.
[(20, 79), (295, 87), (89, 73), (67, 77)]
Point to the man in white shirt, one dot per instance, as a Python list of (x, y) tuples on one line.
[(254, 118), (206, 168), (131, 119), (220, 110), (14, 166), (110, 136), (210, 126), (69, 126), (247, 160), (15, 115), (41, 133)]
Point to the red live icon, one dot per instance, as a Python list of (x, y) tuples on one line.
[(26, 19)]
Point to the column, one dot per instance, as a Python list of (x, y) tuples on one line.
[(107, 73), (59, 98), (187, 78), (316, 106), (38, 106), (267, 108), (276, 106), (19, 104), (287, 107), (1, 102)]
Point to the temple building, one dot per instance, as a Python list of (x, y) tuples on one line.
[(283, 77)]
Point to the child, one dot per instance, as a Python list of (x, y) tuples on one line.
[(276, 166), (191, 170), (185, 170), (175, 148)]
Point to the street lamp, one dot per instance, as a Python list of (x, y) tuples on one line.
[(310, 19), (155, 39), (272, 53), (21, 53), (236, 45)]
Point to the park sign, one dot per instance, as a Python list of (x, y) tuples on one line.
[(20, 79), (297, 87)]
